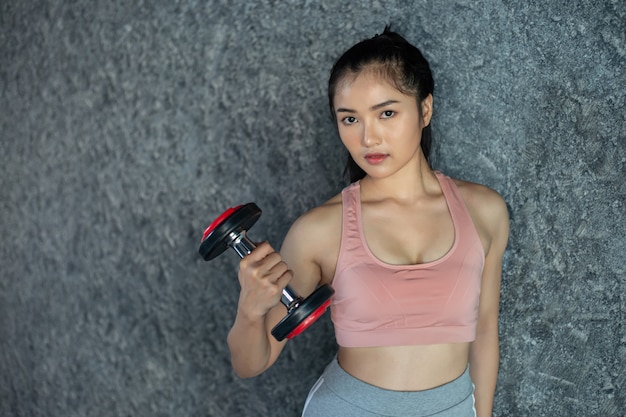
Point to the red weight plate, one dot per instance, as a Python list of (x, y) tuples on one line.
[(225, 215), (309, 320)]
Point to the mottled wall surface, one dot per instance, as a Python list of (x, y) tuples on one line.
[(126, 127)]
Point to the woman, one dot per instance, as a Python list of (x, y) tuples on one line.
[(415, 258)]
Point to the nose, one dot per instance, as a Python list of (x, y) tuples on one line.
[(370, 136)]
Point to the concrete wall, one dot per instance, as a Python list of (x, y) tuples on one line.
[(126, 127)]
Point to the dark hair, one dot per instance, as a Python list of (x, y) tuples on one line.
[(395, 59)]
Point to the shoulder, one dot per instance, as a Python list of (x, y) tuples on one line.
[(481, 198), (318, 221), (312, 243), (488, 210), (316, 230)]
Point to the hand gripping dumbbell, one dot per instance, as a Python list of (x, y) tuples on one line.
[(229, 230)]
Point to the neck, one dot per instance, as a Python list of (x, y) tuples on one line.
[(412, 183)]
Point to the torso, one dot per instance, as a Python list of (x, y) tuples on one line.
[(406, 368), (409, 368)]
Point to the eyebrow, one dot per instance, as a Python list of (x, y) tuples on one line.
[(374, 107)]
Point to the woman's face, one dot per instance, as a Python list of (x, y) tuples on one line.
[(380, 126)]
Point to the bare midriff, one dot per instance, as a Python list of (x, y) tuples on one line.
[(406, 368)]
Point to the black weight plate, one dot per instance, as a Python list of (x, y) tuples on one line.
[(219, 239), (300, 313)]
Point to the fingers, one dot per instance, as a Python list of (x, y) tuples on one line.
[(262, 275), (284, 279), (264, 263), (261, 251)]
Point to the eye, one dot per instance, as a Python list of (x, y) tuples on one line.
[(348, 120), (387, 114)]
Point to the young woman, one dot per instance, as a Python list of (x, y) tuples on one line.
[(414, 256)]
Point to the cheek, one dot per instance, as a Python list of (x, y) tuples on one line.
[(411, 133), (349, 136)]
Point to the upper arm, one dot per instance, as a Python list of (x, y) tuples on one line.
[(311, 246), (304, 248), (298, 253), (490, 216), (493, 221)]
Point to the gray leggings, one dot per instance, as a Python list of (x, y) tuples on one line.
[(337, 393)]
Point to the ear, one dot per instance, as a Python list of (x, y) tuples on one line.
[(427, 110)]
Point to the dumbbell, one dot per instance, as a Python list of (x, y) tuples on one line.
[(229, 231)]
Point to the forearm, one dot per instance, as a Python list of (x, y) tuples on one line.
[(484, 363), (250, 348)]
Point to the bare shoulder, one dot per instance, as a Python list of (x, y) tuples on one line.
[(318, 221), (488, 210), (315, 238), (482, 199)]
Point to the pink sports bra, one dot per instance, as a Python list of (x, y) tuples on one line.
[(379, 304)]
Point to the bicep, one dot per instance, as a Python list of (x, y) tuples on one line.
[(492, 271), (303, 250), (299, 255), (305, 278)]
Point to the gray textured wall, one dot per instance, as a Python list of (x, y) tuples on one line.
[(126, 127)]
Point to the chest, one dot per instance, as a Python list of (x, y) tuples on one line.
[(370, 295), (408, 235)]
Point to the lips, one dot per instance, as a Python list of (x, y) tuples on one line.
[(375, 158)]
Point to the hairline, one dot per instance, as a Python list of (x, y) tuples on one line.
[(386, 72)]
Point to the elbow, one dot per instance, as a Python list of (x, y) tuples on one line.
[(243, 372), (243, 365)]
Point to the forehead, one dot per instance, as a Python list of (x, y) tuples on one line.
[(366, 87)]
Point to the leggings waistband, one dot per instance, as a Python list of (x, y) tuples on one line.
[(392, 403)]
